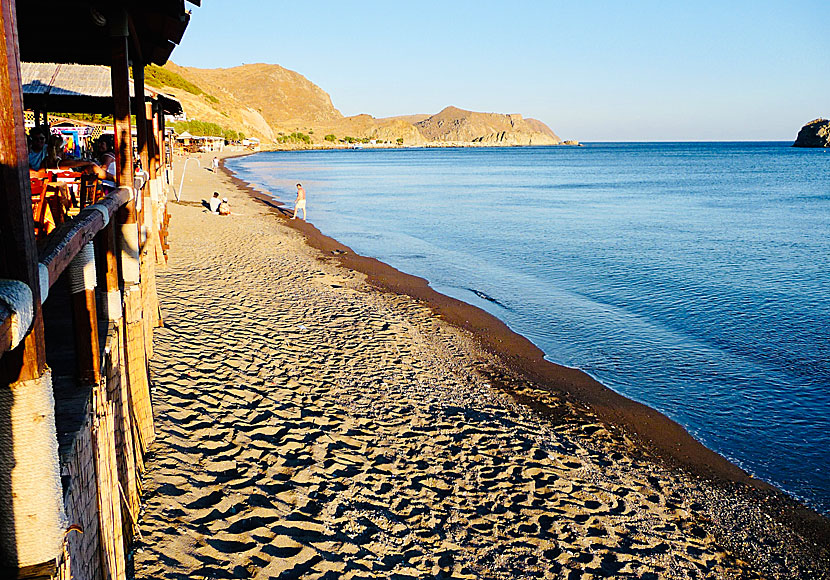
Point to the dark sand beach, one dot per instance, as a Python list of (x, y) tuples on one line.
[(322, 415)]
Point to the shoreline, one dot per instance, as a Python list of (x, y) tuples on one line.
[(666, 438)]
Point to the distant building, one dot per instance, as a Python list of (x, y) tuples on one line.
[(251, 143)]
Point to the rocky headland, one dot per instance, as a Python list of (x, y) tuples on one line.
[(816, 133), (457, 125), (283, 108)]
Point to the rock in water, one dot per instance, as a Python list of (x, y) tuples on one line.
[(814, 134)]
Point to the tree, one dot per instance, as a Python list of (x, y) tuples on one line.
[(399, 140), (330, 138)]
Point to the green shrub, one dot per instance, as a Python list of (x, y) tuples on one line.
[(158, 77), (205, 129), (155, 76), (296, 137), (330, 137)]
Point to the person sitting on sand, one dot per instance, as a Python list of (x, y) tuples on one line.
[(299, 203), (224, 208), (215, 202)]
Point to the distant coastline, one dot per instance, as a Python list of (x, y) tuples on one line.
[(431, 145)]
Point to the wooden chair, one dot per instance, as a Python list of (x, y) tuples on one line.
[(89, 188), (39, 204)]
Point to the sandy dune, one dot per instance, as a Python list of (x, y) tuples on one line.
[(311, 427)]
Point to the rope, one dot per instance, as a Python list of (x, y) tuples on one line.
[(129, 253), (18, 297), (32, 521), (82, 270), (43, 273), (114, 304), (104, 212)]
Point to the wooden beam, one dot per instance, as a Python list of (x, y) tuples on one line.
[(18, 252)]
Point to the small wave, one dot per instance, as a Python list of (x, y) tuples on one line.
[(487, 297)]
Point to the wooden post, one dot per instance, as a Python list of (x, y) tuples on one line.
[(152, 140), (124, 146), (31, 505), (158, 129), (120, 73), (157, 140), (18, 252), (142, 132), (85, 314), (142, 136)]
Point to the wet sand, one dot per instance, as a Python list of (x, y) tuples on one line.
[(321, 415)]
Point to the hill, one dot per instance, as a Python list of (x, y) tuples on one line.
[(281, 106), (459, 126)]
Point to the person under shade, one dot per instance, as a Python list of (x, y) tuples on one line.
[(38, 150), (106, 161)]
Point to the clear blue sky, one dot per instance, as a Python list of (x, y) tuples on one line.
[(592, 70)]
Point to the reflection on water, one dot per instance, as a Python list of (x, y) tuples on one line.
[(691, 277)]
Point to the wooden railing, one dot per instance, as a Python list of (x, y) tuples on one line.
[(64, 244)]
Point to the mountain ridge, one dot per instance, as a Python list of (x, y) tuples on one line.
[(283, 107)]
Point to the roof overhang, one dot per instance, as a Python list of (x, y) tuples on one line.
[(78, 31)]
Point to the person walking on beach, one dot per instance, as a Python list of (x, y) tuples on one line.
[(215, 165), (299, 203)]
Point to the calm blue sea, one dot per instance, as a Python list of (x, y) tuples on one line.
[(692, 277)]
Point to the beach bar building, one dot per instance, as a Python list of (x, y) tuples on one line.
[(77, 307)]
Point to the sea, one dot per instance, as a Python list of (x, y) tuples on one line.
[(691, 277)]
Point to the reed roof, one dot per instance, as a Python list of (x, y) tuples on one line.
[(78, 88)]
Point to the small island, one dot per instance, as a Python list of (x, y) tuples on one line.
[(816, 133)]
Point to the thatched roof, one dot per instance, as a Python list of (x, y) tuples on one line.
[(78, 88)]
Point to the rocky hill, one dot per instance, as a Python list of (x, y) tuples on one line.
[(459, 126), (816, 133), (281, 106)]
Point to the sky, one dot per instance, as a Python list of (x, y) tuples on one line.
[(592, 70)]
